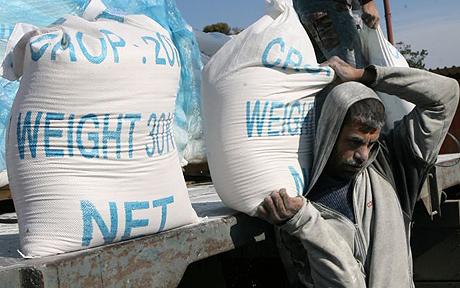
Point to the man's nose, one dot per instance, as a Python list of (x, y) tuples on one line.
[(361, 155)]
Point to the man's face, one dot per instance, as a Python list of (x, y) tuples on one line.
[(351, 151)]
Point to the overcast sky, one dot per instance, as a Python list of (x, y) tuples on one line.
[(425, 24)]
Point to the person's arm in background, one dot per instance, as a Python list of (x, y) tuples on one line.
[(370, 15)]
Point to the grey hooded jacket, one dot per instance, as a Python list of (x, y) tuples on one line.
[(321, 247)]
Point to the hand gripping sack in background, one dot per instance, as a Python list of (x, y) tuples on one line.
[(91, 155), (258, 96), (378, 51)]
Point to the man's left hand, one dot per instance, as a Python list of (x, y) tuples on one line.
[(370, 15), (279, 207)]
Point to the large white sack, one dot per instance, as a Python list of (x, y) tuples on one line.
[(91, 155), (378, 51), (258, 96)]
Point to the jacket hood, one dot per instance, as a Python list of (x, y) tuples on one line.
[(333, 110)]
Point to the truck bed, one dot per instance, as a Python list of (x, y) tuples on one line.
[(160, 260), (157, 260)]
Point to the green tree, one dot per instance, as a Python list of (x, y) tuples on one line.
[(222, 28), (218, 27), (415, 59)]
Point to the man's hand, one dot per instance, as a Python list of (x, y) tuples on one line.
[(370, 15), (343, 70), (279, 207)]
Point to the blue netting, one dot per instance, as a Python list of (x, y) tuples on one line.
[(8, 90), (37, 12)]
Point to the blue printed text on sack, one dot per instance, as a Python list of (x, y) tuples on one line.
[(276, 118), (300, 179), (55, 135), (159, 48), (93, 216), (279, 55)]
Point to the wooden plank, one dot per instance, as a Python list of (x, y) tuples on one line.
[(5, 193)]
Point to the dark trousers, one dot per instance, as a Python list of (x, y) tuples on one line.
[(332, 28)]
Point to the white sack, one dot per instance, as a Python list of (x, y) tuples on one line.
[(378, 51), (258, 95), (210, 42), (91, 155)]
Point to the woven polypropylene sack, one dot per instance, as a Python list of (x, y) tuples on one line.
[(91, 155), (258, 109), (188, 127), (378, 51)]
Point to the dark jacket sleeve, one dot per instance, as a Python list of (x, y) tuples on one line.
[(411, 148)]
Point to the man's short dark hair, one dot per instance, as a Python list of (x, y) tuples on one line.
[(370, 112)]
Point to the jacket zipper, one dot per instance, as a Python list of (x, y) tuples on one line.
[(360, 236), (348, 222)]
